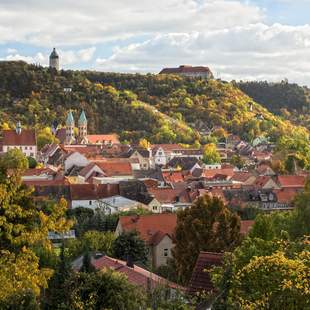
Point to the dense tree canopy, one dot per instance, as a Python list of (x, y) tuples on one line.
[(207, 226), (23, 226)]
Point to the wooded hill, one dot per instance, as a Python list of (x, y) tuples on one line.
[(289, 100), (161, 108)]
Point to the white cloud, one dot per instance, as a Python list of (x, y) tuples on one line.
[(59, 22), (67, 57), (249, 52)]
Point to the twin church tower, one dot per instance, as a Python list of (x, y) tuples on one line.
[(82, 129)]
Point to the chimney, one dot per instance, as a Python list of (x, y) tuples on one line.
[(129, 262)]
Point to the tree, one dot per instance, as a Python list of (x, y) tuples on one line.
[(274, 282), (32, 163), (99, 241), (87, 265), (211, 155), (129, 244), (103, 290), (143, 143), (237, 161), (207, 226), (45, 136), (56, 294), (23, 226)]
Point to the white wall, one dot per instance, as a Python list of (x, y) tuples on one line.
[(75, 159), (28, 150)]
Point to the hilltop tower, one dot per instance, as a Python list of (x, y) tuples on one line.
[(70, 128), (82, 123), (54, 60)]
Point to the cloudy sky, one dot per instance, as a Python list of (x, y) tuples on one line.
[(253, 39)]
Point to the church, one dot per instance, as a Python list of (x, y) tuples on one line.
[(69, 135)]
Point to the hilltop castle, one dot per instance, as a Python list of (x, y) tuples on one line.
[(54, 60)]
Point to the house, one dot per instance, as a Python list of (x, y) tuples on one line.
[(22, 139), (156, 230), (184, 163), (265, 182), (291, 181), (163, 153), (144, 158), (135, 274), (169, 199), (265, 170), (201, 280), (91, 196), (189, 71), (114, 171), (243, 177), (43, 174), (103, 139), (74, 159)]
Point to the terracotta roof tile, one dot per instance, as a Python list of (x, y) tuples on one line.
[(201, 280), (150, 227), (102, 139), (115, 168), (26, 137), (93, 191), (292, 181)]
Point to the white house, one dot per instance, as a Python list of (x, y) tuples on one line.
[(22, 139), (75, 159)]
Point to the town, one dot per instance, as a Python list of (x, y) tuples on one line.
[(173, 190)]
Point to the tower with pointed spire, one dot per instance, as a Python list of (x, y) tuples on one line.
[(70, 128), (82, 123), (54, 59)]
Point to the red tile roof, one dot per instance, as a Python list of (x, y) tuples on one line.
[(47, 183), (173, 176), (26, 137), (169, 195), (136, 275), (115, 168), (241, 176), (210, 173), (38, 172), (93, 191), (101, 139), (286, 195), (186, 69), (292, 181), (201, 280), (150, 227)]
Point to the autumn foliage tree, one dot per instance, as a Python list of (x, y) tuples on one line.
[(23, 226), (207, 226)]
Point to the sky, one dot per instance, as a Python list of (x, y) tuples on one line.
[(241, 40)]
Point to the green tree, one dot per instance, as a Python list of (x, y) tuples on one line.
[(32, 163), (24, 225), (130, 244), (210, 154), (207, 226), (45, 136), (103, 290), (237, 161), (99, 241)]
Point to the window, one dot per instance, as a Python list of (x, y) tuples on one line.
[(26, 147), (30, 147), (90, 202), (160, 153), (166, 252), (154, 207)]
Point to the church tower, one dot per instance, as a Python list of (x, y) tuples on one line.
[(82, 123), (70, 128), (54, 60)]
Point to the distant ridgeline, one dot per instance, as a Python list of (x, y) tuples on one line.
[(163, 108)]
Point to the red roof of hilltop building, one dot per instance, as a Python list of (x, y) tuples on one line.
[(201, 280), (292, 181), (183, 69), (25, 137)]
